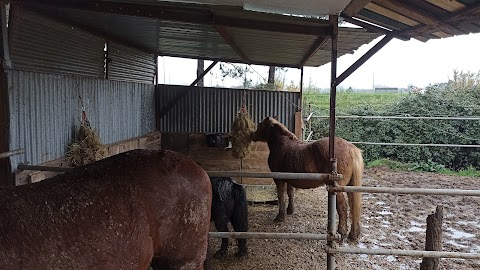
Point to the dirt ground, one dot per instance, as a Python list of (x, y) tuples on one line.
[(388, 221)]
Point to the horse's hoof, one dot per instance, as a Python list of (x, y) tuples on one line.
[(279, 219), (241, 254), (353, 237), (220, 254)]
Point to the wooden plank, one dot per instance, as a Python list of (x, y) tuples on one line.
[(417, 15), (212, 154), (257, 181), (449, 5), (175, 142), (441, 34), (219, 165), (355, 6), (391, 14), (298, 124)]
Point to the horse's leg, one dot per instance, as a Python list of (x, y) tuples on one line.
[(290, 192), (354, 202), (221, 226), (342, 214), (281, 190)]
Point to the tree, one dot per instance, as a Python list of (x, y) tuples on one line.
[(235, 71), (271, 75)]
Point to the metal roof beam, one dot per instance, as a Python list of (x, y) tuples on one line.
[(221, 30), (271, 26), (163, 12)]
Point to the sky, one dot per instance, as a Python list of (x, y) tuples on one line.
[(397, 64)]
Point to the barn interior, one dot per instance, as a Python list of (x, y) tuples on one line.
[(61, 56)]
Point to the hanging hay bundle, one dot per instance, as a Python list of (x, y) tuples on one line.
[(241, 134), (86, 148)]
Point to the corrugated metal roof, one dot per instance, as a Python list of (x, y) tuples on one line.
[(40, 44), (232, 34), (185, 37), (127, 64)]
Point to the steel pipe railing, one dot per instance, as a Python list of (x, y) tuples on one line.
[(391, 190), (476, 118), (43, 168), (276, 175), (265, 235), (402, 252), (12, 153)]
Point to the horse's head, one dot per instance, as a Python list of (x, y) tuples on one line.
[(264, 129)]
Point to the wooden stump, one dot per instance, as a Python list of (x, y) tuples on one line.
[(434, 239)]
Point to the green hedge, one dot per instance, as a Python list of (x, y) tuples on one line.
[(450, 99)]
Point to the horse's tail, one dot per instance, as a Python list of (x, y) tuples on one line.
[(355, 198), (240, 209)]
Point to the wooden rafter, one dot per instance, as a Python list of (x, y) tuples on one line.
[(416, 15), (451, 18), (313, 49), (355, 6), (364, 58), (230, 41)]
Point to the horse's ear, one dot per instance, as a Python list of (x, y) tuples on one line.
[(275, 117)]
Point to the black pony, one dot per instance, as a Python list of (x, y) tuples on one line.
[(229, 203)]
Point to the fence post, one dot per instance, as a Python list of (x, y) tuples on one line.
[(434, 239)]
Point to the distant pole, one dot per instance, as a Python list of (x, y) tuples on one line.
[(373, 81)]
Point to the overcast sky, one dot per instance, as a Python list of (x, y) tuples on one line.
[(398, 64)]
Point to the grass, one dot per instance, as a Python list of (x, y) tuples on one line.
[(320, 102)]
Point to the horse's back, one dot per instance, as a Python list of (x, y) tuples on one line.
[(99, 216), (313, 157)]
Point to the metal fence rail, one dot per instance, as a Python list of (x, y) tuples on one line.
[(265, 235), (395, 117), (402, 252), (276, 175), (12, 153), (423, 191)]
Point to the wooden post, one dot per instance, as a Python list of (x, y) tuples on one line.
[(434, 239), (298, 124)]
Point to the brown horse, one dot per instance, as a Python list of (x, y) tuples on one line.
[(288, 154), (117, 213)]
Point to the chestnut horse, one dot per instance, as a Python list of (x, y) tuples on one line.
[(117, 213), (288, 154)]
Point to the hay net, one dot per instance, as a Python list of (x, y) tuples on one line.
[(86, 147), (241, 135)]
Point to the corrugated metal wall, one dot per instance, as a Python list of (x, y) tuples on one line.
[(45, 108), (128, 64), (43, 45), (214, 109)]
